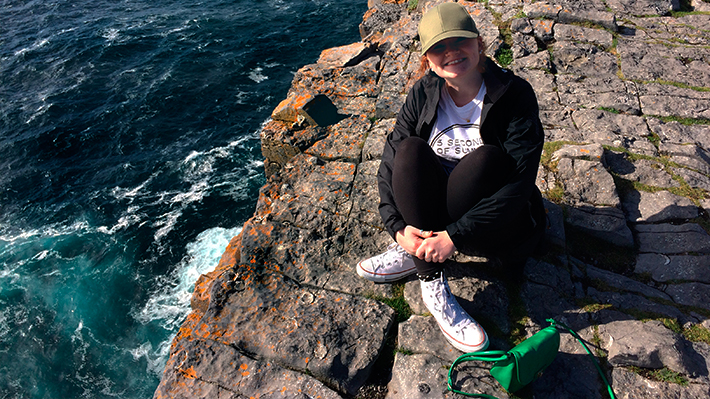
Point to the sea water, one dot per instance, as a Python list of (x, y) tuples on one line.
[(129, 157)]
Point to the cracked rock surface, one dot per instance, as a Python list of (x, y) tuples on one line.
[(624, 94)]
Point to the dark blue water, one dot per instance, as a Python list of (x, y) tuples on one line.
[(129, 156)]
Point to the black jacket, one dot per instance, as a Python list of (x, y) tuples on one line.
[(509, 120)]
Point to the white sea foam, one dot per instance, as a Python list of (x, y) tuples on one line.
[(36, 45), (4, 327), (48, 231), (110, 34), (170, 303), (257, 75), (155, 358)]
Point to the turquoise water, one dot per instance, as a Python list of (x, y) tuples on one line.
[(130, 156)]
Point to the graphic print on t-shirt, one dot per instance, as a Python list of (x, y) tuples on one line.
[(456, 132), (454, 142)]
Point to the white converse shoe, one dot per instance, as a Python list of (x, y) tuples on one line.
[(391, 265), (460, 329)]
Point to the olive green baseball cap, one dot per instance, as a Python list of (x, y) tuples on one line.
[(445, 21)]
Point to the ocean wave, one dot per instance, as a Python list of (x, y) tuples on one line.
[(110, 34), (48, 231), (169, 304), (256, 75), (38, 44)]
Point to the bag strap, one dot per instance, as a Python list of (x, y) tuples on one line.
[(483, 356), (596, 363), (494, 356)]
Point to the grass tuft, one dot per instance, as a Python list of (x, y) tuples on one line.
[(504, 55), (412, 5), (662, 375), (397, 302)]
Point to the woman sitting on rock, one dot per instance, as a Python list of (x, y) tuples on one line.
[(458, 171)]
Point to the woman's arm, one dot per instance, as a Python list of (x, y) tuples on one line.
[(405, 127)]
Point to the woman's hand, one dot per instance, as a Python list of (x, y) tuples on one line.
[(410, 238), (436, 248)]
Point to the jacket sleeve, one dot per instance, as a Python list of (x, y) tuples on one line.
[(517, 121), (405, 126)]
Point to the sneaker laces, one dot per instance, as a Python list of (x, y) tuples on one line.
[(446, 305), (393, 254)]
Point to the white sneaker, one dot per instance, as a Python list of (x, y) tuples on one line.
[(460, 329), (391, 265)]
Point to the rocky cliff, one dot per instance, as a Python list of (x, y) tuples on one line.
[(624, 92)]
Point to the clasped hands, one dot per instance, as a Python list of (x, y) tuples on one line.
[(430, 246)]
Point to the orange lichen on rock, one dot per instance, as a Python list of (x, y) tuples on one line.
[(287, 110), (186, 330), (188, 372)]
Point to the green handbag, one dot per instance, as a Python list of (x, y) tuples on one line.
[(519, 366), (524, 363)]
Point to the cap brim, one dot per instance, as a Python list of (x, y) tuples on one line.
[(449, 34)]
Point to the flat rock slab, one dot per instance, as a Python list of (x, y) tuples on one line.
[(635, 303), (665, 268), (649, 345), (694, 179), (654, 61), (666, 100), (583, 59), (624, 283), (333, 336), (661, 206), (605, 223), (644, 171), (672, 239), (630, 385), (587, 182), (422, 376), (595, 92), (207, 369), (691, 294), (643, 7), (675, 132), (616, 130), (421, 334)]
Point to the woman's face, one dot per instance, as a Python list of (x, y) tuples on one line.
[(454, 57)]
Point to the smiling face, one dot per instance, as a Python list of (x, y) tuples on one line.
[(455, 57)]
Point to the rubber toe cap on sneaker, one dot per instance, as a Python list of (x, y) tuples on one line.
[(474, 345)]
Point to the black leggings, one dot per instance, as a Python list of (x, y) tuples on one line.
[(428, 199)]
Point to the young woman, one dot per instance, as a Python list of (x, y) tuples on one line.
[(458, 170)]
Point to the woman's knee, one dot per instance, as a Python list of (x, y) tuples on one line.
[(413, 152), (412, 145)]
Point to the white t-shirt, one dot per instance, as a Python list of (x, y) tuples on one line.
[(457, 129)]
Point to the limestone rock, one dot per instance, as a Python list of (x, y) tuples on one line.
[(606, 223), (622, 89), (672, 239), (575, 33), (665, 268), (631, 385), (422, 376), (661, 206), (587, 181), (593, 92), (583, 59), (644, 171), (207, 369), (648, 345)]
